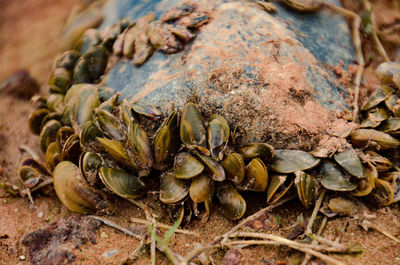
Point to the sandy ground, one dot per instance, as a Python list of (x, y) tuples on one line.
[(29, 34)]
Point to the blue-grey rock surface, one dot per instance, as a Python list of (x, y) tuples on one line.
[(268, 73)]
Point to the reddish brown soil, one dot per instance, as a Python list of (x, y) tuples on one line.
[(29, 34)]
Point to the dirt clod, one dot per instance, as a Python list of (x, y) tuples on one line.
[(51, 245), (20, 84), (232, 257)]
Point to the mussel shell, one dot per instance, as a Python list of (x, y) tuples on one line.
[(90, 38), (109, 34), (143, 48), (60, 80), (110, 103), (289, 161), (391, 102), (48, 134), (166, 142), (383, 193), (381, 163), (391, 126), (378, 96), (218, 135), (233, 204), (216, 170), (51, 116), (117, 151), (71, 151), (349, 161), (89, 135), (279, 186), (234, 167), (35, 164), (121, 183), (81, 72), (306, 187), (181, 32), (38, 102), (333, 178), (63, 134), (67, 60), (125, 113), (192, 130), (139, 145), (53, 155), (201, 189), (342, 206), (365, 186), (257, 150), (375, 117), (105, 93), (389, 73), (96, 58), (303, 5), (55, 102), (81, 100), (186, 166), (109, 125), (73, 191), (35, 120), (390, 176), (128, 48), (147, 110), (89, 164), (27, 172), (361, 137), (256, 177), (172, 190)]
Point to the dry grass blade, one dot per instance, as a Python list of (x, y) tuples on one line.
[(118, 227), (374, 35), (314, 242), (161, 225)]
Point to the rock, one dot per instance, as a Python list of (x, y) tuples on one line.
[(231, 257), (20, 84), (51, 244), (267, 73)]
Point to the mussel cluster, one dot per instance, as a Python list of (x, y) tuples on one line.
[(96, 144)]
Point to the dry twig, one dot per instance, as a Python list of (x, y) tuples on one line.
[(357, 45)]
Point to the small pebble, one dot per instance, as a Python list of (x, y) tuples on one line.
[(40, 215), (110, 253), (103, 235), (22, 257)]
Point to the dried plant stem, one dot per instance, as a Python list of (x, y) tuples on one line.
[(328, 242), (30, 151), (118, 227), (153, 243), (222, 238), (42, 184), (357, 45), (367, 224), (314, 242), (136, 253), (292, 244), (251, 218), (274, 239), (317, 206), (374, 35), (161, 225)]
